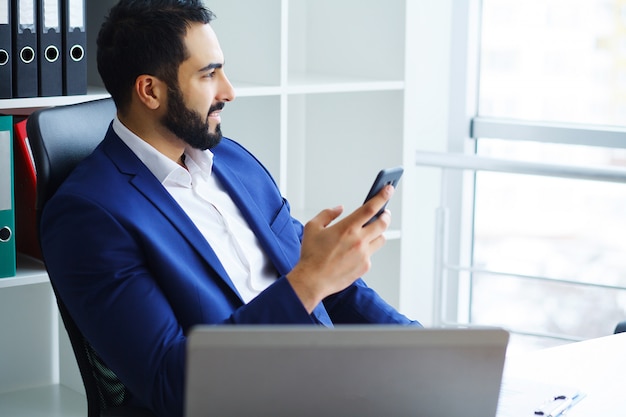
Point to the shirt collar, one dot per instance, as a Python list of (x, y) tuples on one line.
[(200, 161), (161, 166)]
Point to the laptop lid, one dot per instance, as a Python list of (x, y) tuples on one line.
[(346, 371)]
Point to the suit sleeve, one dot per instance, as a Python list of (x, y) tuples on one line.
[(359, 304), (99, 270)]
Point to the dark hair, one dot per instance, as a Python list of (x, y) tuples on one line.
[(145, 37)]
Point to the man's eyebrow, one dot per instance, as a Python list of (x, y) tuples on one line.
[(212, 66)]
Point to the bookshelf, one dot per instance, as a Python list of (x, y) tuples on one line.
[(321, 101)]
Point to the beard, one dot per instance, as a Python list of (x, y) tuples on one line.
[(188, 124)]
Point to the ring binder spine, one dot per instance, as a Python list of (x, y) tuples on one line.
[(50, 47), (25, 68), (6, 53), (74, 48), (7, 212)]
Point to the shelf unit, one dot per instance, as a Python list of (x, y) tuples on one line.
[(35, 350), (321, 88), (322, 102)]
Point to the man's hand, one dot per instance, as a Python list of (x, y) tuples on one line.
[(334, 256)]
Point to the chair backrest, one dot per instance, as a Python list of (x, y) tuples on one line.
[(60, 137)]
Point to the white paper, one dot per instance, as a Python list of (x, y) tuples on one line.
[(521, 398)]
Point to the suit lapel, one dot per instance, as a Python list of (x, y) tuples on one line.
[(146, 184), (248, 206), (253, 215)]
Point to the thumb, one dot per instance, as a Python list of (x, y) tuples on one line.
[(325, 217)]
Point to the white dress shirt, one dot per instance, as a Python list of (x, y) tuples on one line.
[(212, 210)]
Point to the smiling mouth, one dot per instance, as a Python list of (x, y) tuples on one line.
[(216, 109)]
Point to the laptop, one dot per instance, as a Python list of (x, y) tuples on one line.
[(360, 371)]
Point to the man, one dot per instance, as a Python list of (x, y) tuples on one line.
[(167, 224)]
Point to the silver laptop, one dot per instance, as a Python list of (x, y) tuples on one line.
[(356, 371)]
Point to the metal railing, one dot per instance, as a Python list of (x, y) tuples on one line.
[(552, 132), (476, 163)]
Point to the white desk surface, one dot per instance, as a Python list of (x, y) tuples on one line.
[(596, 367)]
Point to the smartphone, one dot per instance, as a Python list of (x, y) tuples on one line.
[(385, 177)]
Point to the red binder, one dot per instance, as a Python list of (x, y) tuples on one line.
[(25, 177)]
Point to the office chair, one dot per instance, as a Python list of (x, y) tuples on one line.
[(60, 137), (621, 327)]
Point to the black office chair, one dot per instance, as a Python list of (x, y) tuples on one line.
[(621, 327), (60, 137)]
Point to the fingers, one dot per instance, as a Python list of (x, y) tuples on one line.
[(326, 217), (362, 215), (333, 256), (384, 220), (373, 206), (373, 246)]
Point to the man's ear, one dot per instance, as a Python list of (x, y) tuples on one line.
[(150, 91)]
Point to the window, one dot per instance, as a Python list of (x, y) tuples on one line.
[(554, 60), (549, 254)]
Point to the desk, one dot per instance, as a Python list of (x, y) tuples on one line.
[(596, 367)]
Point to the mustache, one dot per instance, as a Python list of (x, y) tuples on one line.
[(217, 106)]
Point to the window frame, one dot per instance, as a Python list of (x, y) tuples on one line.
[(453, 219)]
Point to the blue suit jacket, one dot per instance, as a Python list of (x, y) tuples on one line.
[(136, 274)]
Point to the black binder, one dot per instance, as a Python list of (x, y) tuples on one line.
[(25, 75), (74, 48), (50, 48), (6, 63)]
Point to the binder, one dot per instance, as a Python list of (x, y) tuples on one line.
[(7, 221), (25, 194), (74, 48), (24, 48), (50, 47), (6, 53)]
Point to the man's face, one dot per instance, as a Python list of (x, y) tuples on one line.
[(194, 106)]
